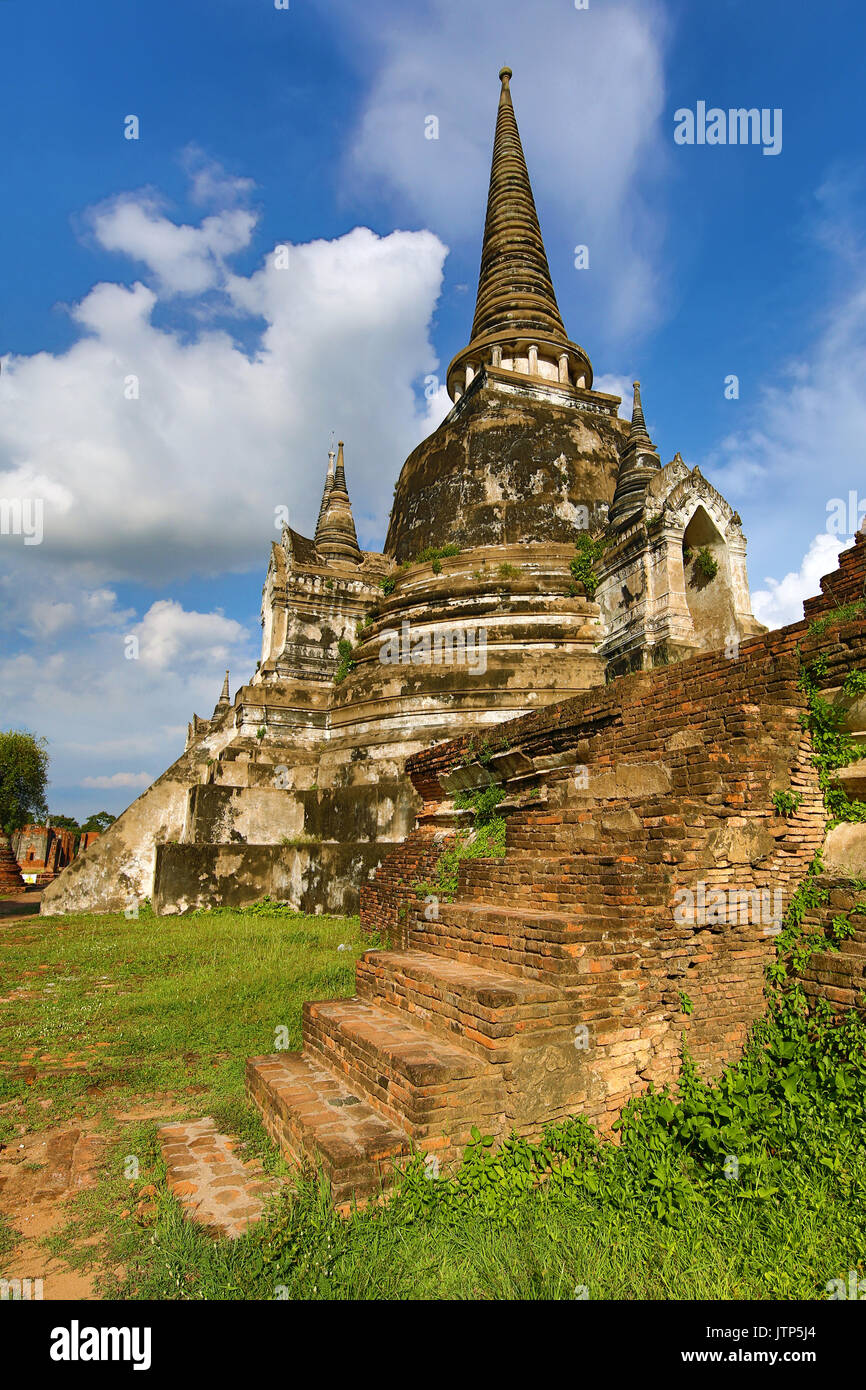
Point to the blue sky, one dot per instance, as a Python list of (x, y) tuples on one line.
[(258, 126)]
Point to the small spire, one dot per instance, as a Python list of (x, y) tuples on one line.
[(224, 700), (336, 538), (639, 458)]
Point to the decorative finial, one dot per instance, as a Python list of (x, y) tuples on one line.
[(224, 699), (504, 76), (638, 423), (340, 475)]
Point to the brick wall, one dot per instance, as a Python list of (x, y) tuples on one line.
[(384, 902), (653, 788)]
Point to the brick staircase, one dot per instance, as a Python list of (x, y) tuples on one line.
[(561, 979)]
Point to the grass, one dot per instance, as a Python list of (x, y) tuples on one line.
[(158, 1004), (654, 1217)]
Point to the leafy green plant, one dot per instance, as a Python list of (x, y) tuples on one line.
[(786, 803), (705, 564), (854, 683), (346, 664), (260, 732), (506, 571), (583, 565), (485, 841), (482, 801), (387, 584), (434, 554), (832, 746), (843, 613)]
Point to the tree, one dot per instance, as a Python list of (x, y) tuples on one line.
[(23, 776), (64, 822), (101, 821)]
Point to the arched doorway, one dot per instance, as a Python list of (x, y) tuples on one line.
[(707, 574)]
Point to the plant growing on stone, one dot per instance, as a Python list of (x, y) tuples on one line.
[(854, 683), (387, 584), (583, 565), (786, 803), (844, 613), (346, 664), (706, 566), (434, 553), (832, 746)]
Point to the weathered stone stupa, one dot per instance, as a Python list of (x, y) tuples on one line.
[(475, 612)]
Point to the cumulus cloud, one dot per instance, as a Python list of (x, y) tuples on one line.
[(160, 455), (119, 779), (184, 259), (74, 683), (167, 635), (781, 602), (209, 180)]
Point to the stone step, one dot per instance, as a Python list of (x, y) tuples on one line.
[(430, 1087), (589, 875), (533, 944), (310, 1113), (216, 1189), (484, 1010), (852, 779)]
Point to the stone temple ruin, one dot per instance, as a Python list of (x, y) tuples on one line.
[(647, 740), (479, 609)]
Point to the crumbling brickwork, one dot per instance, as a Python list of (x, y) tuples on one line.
[(646, 876)]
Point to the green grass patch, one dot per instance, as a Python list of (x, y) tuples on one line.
[(157, 1005)]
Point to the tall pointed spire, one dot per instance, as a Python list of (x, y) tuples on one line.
[(638, 460), (517, 324), (326, 492), (336, 538)]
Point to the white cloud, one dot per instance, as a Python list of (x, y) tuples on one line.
[(99, 710), (119, 779), (617, 386), (185, 260), (168, 636), (781, 602), (184, 479), (209, 181)]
